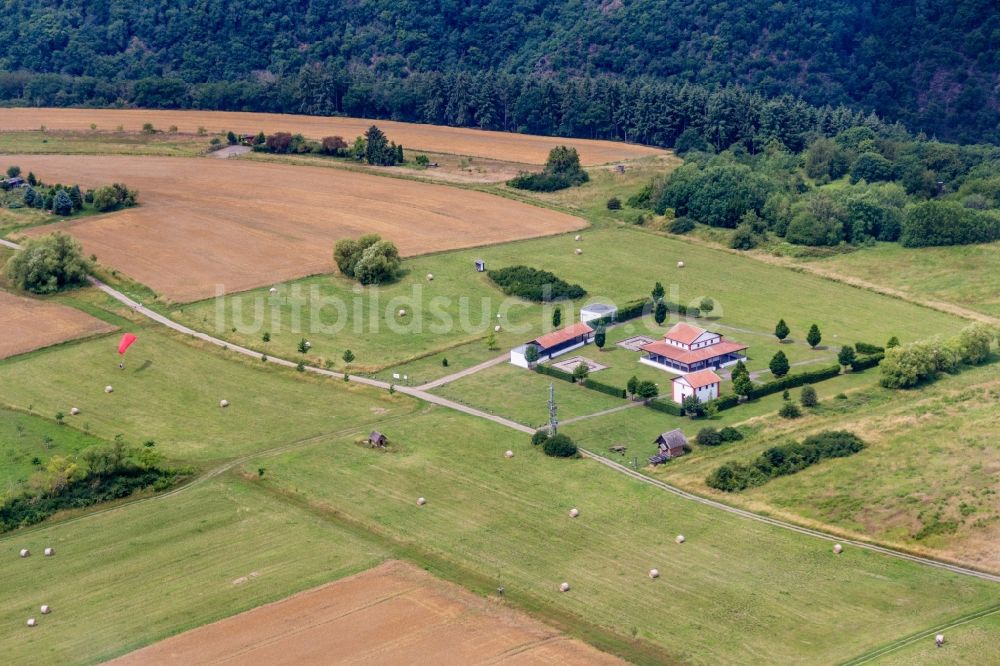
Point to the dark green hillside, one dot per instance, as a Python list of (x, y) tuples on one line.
[(933, 66)]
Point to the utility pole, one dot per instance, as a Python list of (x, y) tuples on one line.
[(553, 421)]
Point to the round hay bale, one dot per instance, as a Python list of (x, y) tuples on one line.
[(574, 512), (308, 344), (578, 237), (680, 264), (497, 328), (223, 403), (838, 549), (421, 501), (508, 454), (273, 290), (401, 313), (45, 609), (108, 388), (564, 587), (680, 538), (579, 251), (654, 573), (25, 552), (74, 411), (939, 640), (49, 551), (430, 276), (32, 622)]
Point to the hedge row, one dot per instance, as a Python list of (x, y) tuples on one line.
[(865, 348), (669, 407), (793, 381), (727, 401), (865, 362), (630, 310), (605, 388), (555, 372)]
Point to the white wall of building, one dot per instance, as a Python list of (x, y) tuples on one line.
[(705, 393)]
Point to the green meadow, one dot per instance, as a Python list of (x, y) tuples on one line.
[(170, 391), (617, 265), (127, 577), (737, 591), (965, 275)]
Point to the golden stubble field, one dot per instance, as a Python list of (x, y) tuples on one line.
[(206, 223), (27, 324), (392, 614), (523, 148)]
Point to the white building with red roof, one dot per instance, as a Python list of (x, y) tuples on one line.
[(703, 383), (553, 344), (686, 348)]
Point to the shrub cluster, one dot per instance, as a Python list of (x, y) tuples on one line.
[(48, 264), (559, 446), (713, 437), (784, 460), (909, 365), (97, 474), (562, 170), (532, 284), (369, 259)]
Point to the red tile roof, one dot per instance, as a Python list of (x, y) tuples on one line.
[(563, 335), (700, 379), (693, 356), (683, 333)]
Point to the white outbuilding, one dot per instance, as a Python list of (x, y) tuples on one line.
[(594, 311)]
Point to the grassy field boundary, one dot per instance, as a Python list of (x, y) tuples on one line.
[(927, 634)]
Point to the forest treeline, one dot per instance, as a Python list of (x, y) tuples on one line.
[(641, 71)]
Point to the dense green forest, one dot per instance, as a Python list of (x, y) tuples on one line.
[(643, 71), (858, 187)]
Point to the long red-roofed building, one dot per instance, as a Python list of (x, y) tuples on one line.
[(554, 343), (686, 348)]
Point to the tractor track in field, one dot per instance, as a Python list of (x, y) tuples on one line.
[(444, 402)]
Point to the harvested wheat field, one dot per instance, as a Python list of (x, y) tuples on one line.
[(392, 614), (27, 324), (523, 148), (206, 223)]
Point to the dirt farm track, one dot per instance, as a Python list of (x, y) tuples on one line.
[(27, 324), (524, 148), (203, 223), (392, 614)]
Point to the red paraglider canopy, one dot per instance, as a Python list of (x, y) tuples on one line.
[(126, 342)]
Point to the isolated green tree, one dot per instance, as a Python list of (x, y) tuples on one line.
[(556, 317), (658, 292), (231, 138), (348, 357), (846, 355), (808, 398), (779, 364), (62, 204), (531, 354), (692, 406), (893, 342), (13, 171), (814, 337), (647, 390), (706, 305), (781, 330), (660, 313), (581, 371), (633, 385), (600, 337)]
